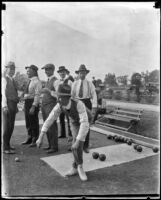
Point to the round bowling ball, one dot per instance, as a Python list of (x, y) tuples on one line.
[(129, 142), (116, 139), (17, 159), (139, 148), (109, 137), (121, 139), (155, 149), (125, 140), (95, 155), (135, 146), (102, 157)]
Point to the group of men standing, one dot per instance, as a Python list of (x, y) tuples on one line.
[(81, 89)]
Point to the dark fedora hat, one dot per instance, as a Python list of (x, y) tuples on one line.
[(10, 65), (64, 90), (67, 71), (62, 68), (82, 68), (33, 67), (48, 66)]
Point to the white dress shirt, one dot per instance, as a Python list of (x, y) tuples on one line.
[(4, 85), (50, 77), (34, 90), (60, 81), (89, 91), (54, 114)]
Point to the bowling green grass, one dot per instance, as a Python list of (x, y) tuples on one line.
[(33, 177)]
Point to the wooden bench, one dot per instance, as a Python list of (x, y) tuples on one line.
[(129, 116)]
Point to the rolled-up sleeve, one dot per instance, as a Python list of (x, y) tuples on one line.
[(84, 124), (4, 100), (73, 90), (94, 95), (38, 87), (54, 114)]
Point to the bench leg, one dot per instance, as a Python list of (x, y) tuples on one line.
[(134, 125)]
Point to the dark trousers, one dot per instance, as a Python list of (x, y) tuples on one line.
[(62, 125), (88, 104), (32, 121), (52, 133), (68, 122), (77, 153), (8, 123)]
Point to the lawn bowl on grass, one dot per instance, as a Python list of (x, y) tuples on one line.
[(17, 159), (95, 155), (102, 157), (155, 149), (139, 148)]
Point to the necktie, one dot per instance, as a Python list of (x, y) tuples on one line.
[(81, 90), (27, 88)]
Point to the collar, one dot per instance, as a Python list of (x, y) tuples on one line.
[(9, 77), (50, 77), (62, 79), (33, 78), (82, 80), (67, 107)]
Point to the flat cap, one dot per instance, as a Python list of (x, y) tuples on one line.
[(33, 67), (48, 66), (10, 65)]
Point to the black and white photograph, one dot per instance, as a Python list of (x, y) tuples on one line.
[(80, 100)]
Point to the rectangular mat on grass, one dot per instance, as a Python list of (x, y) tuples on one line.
[(115, 155)]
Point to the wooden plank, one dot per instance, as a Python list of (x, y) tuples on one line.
[(127, 116), (111, 125), (127, 112), (129, 109), (117, 118)]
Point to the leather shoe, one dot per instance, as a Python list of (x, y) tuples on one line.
[(9, 152), (46, 148), (70, 139), (61, 136), (33, 144), (86, 150), (82, 173), (12, 148), (52, 151), (73, 171), (28, 141), (69, 149)]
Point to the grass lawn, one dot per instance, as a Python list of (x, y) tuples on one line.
[(33, 177)]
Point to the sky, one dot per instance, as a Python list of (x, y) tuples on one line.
[(101, 20), (89, 17)]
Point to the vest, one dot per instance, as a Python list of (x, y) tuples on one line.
[(74, 115), (11, 91), (47, 98)]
